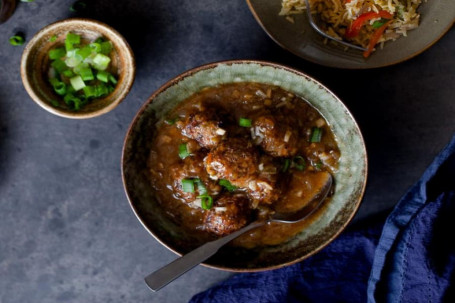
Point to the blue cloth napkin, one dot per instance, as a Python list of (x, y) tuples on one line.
[(407, 257)]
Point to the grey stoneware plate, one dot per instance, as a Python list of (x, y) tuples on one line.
[(437, 17), (320, 228)]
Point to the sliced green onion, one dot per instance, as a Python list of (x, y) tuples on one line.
[(226, 184), (53, 38), (112, 79), (16, 40), (28, 1), (200, 186), (96, 47), (71, 40), (316, 134), (100, 61), (183, 151), (244, 122), (299, 163), (77, 69), (72, 101), (101, 90), (77, 83), (78, 6), (379, 23), (76, 63), (102, 76), (286, 164), (84, 52), (59, 66), (55, 103), (171, 121), (86, 74), (68, 73), (206, 201), (106, 47), (57, 53), (188, 185), (89, 91), (73, 59), (59, 87), (318, 165)]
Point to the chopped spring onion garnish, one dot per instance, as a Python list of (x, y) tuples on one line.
[(102, 76), (86, 73), (112, 79), (79, 72), (16, 40), (57, 53), (59, 87), (27, 1), (71, 40), (183, 151), (106, 47), (188, 185), (54, 103), (77, 83), (226, 184), (206, 201), (84, 52), (244, 122), (171, 121), (286, 164), (68, 73), (100, 61), (53, 38), (59, 65), (318, 165), (299, 163), (379, 23), (78, 6), (200, 186), (90, 91), (316, 134)]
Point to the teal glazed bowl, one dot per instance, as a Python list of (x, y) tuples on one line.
[(323, 226)]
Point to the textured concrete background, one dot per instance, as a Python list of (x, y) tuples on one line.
[(67, 233)]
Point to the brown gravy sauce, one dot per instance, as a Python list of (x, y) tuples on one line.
[(235, 101)]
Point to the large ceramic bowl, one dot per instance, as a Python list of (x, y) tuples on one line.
[(437, 16), (323, 226)]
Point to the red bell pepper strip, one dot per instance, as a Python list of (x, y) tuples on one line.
[(357, 24), (375, 38)]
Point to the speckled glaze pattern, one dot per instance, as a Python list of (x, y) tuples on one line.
[(326, 223), (35, 61), (437, 17)]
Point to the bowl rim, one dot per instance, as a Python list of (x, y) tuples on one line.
[(195, 70), (76, 115), (315, 61)]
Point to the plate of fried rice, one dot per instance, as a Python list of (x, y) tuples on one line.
[(390, 31)]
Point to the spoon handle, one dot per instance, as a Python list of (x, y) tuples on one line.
[(175, 269)]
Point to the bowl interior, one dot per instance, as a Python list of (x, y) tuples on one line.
[(322, 226), (437, 16), (35, 66)]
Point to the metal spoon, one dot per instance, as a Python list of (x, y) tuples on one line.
[(175, 269), (321, 32)]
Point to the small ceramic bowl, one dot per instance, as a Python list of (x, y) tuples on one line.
[(35, 64), (323, 225)]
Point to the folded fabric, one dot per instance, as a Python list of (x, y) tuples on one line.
[(411, 260)]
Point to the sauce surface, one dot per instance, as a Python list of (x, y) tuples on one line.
[(249, 150)]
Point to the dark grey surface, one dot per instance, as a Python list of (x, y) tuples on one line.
[(67, 233)]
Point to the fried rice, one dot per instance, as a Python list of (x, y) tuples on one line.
[(339, 17)]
